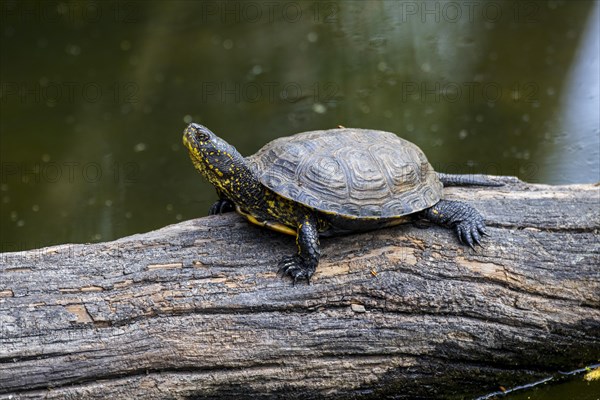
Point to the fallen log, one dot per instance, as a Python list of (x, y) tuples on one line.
[(195, 310)]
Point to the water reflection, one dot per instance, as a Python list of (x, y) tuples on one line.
[(95, 96), (575, 157)]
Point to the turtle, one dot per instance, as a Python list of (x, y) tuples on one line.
[(331, 182)]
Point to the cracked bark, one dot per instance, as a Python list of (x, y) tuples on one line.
[(196, 310)]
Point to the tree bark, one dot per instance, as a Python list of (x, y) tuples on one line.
[(195, 310)]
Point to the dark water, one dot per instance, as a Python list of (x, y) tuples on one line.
[(574, 389), (94, 96)]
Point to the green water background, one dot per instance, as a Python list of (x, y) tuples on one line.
[(95, 96)]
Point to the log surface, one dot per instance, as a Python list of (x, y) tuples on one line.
[(195, 310)]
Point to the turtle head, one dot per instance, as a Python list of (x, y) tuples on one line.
[(200, 141), (214, 158)]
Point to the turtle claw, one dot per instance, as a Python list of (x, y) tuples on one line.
[(296, 268), (464, 219), (470, 232)]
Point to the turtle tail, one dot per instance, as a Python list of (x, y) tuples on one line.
[(467, 180)]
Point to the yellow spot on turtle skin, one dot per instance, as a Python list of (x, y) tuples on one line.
[(592, 375), (434, 211)]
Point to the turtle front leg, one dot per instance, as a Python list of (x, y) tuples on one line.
[(464, 219), (221, 206), (303, 265)]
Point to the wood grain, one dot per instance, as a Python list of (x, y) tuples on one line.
[(195, 310)]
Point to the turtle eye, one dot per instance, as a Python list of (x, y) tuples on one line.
[(202, 136)]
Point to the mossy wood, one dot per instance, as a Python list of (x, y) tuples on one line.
[(195, 310)]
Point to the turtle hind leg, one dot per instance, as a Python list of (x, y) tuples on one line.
[(464, 219), (303, 264)]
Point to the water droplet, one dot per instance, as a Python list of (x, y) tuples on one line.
[(228, 44), (257, 70), (138, 148), (319, 108), (126, 109), (187, 119), (312, 37), (125, 45), (73, 50)]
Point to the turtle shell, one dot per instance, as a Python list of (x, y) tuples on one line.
[(349, 172)]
